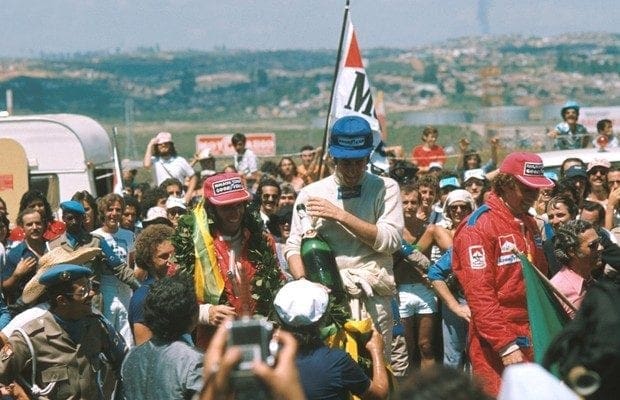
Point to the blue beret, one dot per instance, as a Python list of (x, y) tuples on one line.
[(73, 206), (62, 273)]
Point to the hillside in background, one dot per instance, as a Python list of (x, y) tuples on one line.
[(288, 91)]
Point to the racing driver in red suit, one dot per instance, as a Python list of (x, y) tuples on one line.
[(490, 273)]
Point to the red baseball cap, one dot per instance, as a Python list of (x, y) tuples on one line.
[(224, 189), (527, 168)]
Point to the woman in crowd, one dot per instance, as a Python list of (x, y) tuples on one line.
[(91, 218), (287, 172)]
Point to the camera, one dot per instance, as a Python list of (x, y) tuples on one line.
[(254, 337)]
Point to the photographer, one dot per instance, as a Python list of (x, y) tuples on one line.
[(282, 380)]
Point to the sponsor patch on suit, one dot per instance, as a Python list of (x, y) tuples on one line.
[(506, 244), (477, 258)]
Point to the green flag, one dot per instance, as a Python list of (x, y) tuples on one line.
[(547, 317)]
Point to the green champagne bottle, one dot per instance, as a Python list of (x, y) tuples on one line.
[(318, 258)]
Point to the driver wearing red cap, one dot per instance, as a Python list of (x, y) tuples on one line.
[(490, 272)]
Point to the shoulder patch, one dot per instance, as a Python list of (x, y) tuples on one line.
[(477, 258), (473, 217)]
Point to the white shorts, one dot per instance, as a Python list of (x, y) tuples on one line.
[(416, 298)]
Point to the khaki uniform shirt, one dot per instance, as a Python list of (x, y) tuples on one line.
[(72, 366)]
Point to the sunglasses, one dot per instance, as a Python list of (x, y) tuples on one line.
[(269, 196), (84, 291), (457, 207)]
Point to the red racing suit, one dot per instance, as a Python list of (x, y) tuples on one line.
[(491, 276)]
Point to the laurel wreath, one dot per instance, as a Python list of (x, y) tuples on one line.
[(268, 278)]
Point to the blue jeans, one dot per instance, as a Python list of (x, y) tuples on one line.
[(454, 330)]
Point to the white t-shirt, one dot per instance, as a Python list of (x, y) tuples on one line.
[(174, 167), (121, 241)]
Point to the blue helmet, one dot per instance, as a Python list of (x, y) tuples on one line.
[(568, 105)]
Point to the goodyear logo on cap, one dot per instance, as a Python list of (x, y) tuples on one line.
[(226, 186), (359, 141), (533, 169)]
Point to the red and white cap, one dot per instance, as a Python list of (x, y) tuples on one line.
[(527, 168), (225, 189)]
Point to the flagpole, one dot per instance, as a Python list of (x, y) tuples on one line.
[(548, 283), (331, 97), (117, 163)]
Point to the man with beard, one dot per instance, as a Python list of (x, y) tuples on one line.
[(360, 216), (490, 272), (161, 154)]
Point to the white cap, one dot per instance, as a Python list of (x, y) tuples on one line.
[(154, 213), (301, 303), (435, 164), (476, 173), (175, 202)]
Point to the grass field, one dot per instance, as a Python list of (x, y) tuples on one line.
[(291, 135)]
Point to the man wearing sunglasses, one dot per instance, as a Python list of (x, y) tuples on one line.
[(65, 341)]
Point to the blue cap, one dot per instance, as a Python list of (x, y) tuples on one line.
[(552, 175), (576, 171), (63, 273), (351, 137), (73, 206), (449, 181), (570, 104)]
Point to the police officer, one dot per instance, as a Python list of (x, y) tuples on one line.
[(68, 344)]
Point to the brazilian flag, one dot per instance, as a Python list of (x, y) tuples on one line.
[(547, 317)]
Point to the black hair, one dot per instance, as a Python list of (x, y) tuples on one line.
[(132, 202), (33, 195), (173, 151), (170, 182), (171, 308), (85, 196), (567, 200), (266, 181), (150, 198), (595, 206), (238, 138), (600, 125), (469, 154), (4, 221), (566, 241), (284, 214), (269, 167)]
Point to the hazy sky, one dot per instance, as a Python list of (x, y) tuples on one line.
[(29, 27)]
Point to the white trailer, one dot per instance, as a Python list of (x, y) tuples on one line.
[(65, 153)]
